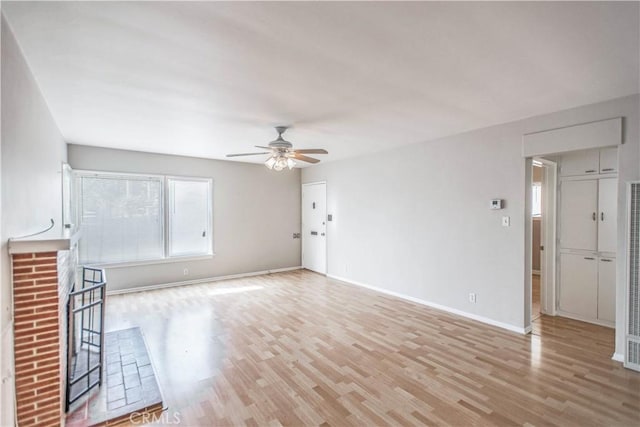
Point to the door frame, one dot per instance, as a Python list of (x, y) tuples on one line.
[(326, 237), (548, 230), (548, 226)]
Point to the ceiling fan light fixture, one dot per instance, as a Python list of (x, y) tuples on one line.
[(270, 163), (281, 163), (282, 154)]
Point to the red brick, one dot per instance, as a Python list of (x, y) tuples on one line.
[(25, 394), (23, 300), (51, 408), (22, 270), (40, 261), (42, 390), (47, 255), (24, 310), (39, 317), (42, 308), (33, 356), (45, 298), (22, 277), (33, 330), (22, 256), (43, 268), (30, 384), (46, 337), (45, 291), (49, 367), (49, 420)]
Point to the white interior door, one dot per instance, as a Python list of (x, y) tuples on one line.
[(578, 214), (607, 207), (314, 229)]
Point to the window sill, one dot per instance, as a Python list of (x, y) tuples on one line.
[(154, 261)]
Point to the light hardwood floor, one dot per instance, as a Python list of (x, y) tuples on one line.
[(535, 296), (297, 348)]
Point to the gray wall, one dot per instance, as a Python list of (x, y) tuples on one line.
[(32, 154), (255, 213), (416, 220)]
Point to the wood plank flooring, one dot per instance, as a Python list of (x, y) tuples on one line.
[(297, 348), (535, 296)]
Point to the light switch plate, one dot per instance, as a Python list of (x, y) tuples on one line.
[(506, 221)]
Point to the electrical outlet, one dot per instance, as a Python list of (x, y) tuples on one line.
[(506, 221), (472, 297), (185, 272)]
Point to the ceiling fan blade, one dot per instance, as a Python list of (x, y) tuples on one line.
[(298, 156), (260, 146), (312, 151), (248, 154)]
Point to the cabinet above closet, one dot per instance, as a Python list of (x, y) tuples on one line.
[(589, 162)]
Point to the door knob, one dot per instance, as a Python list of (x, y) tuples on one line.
[(601, 216), (593, 216)]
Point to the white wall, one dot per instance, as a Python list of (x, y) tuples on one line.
[(416, 220), (32, 154), (255, 213)]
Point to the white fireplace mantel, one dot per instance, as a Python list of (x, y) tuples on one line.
[(51, 241)]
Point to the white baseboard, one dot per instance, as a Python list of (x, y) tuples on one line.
[(618, 357), (585, 319), (482, 319), (197, 281)]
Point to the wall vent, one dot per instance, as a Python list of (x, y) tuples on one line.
[(632, 356)]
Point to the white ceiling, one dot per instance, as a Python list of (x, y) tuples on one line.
[(207, 79)]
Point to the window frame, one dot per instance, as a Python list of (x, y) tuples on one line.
[(164, 180), (167, 228)]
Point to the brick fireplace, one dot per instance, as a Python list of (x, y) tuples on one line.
[(43, 273)]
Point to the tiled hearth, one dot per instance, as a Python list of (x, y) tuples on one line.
[(130, 387)]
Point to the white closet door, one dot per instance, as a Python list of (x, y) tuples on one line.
[(578, 214), (607, 216), (607, 289), (579, 285)]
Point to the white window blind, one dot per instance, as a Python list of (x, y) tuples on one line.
[(122, 219), (133, 218), (189, 217)]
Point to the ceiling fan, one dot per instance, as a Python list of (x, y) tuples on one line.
[(283, 154)]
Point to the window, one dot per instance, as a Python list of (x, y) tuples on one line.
[(536, 202), (189, 217), (127, 218)]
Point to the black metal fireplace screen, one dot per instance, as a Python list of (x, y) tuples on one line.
[(85, 328)]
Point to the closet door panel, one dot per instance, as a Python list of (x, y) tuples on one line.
[(608, 214), (578, 214), (579, 285), (607, 289)]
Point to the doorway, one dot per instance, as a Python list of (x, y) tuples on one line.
[(314, 229), (543, 238), (537, 247)]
